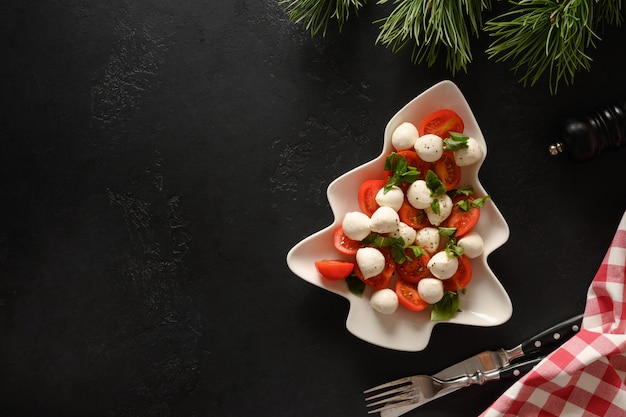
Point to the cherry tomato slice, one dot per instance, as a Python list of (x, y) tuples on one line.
[(344, 244), (440, 123), (415, 218), (333, 269), (408, 296), (380, 281), (367, 195), (463, 221), (447, 170), (461, 277), (413, 269)]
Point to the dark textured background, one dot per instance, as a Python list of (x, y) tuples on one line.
[(160, 158)]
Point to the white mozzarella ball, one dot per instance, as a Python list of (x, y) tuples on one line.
[(418, 195), (429, 147), (472, 244), (470, 155), (428, 238), (384, 301), (356, 225), (445, 208), (443, 266), (371, 261), (384, 220), (404, 136), (393, 198), (406, 232), (430, 290)]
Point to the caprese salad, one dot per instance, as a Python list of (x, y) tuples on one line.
[(412, 239)]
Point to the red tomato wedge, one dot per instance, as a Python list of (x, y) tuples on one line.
[(463, 221), (447, 170), (381, 280), (415, 218), (413, 269), (367, 195), (334, 270), (461, 277), (408, 296), (344, 244), (440, 123)]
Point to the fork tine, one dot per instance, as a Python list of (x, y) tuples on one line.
[(403, 396), (400, 390), (394, 404), (389, 384)]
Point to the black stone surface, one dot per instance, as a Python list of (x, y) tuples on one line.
[(160, 158)]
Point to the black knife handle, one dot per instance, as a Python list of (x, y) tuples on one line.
[(553, 337), (519, 369)]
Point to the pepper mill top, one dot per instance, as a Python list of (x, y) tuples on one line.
[(585, 137)]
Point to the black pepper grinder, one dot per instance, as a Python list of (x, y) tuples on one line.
[(585, 137)]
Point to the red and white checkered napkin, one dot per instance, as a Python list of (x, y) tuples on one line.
[(587, 375)]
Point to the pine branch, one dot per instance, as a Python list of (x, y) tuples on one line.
[(317, 14), (542, 36), (433, 25), (611, 12)]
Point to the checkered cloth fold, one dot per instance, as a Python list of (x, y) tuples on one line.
[(587, 375)]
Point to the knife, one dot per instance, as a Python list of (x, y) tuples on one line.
[(488, 361)]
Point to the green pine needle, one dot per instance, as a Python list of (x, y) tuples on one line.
[(431, 26), (540, 38), (316, 14), (610, 12), (550, 38)]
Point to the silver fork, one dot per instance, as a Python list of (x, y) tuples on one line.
[(418, 388)]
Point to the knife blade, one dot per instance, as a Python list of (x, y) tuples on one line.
[(487, 361)]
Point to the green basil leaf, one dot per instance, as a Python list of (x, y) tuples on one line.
[(373, 239), (480, 202), (455, 142), (435, 206), (452, 249), (434, 184), (395, 243), (401, 164), (411, 175), (397, 253), (389, 161), (466, 191), (446, 308), (401, 172), (465, 205), (447, 231), (355, 285), (381, 241), (370, 238), (417, 251)]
